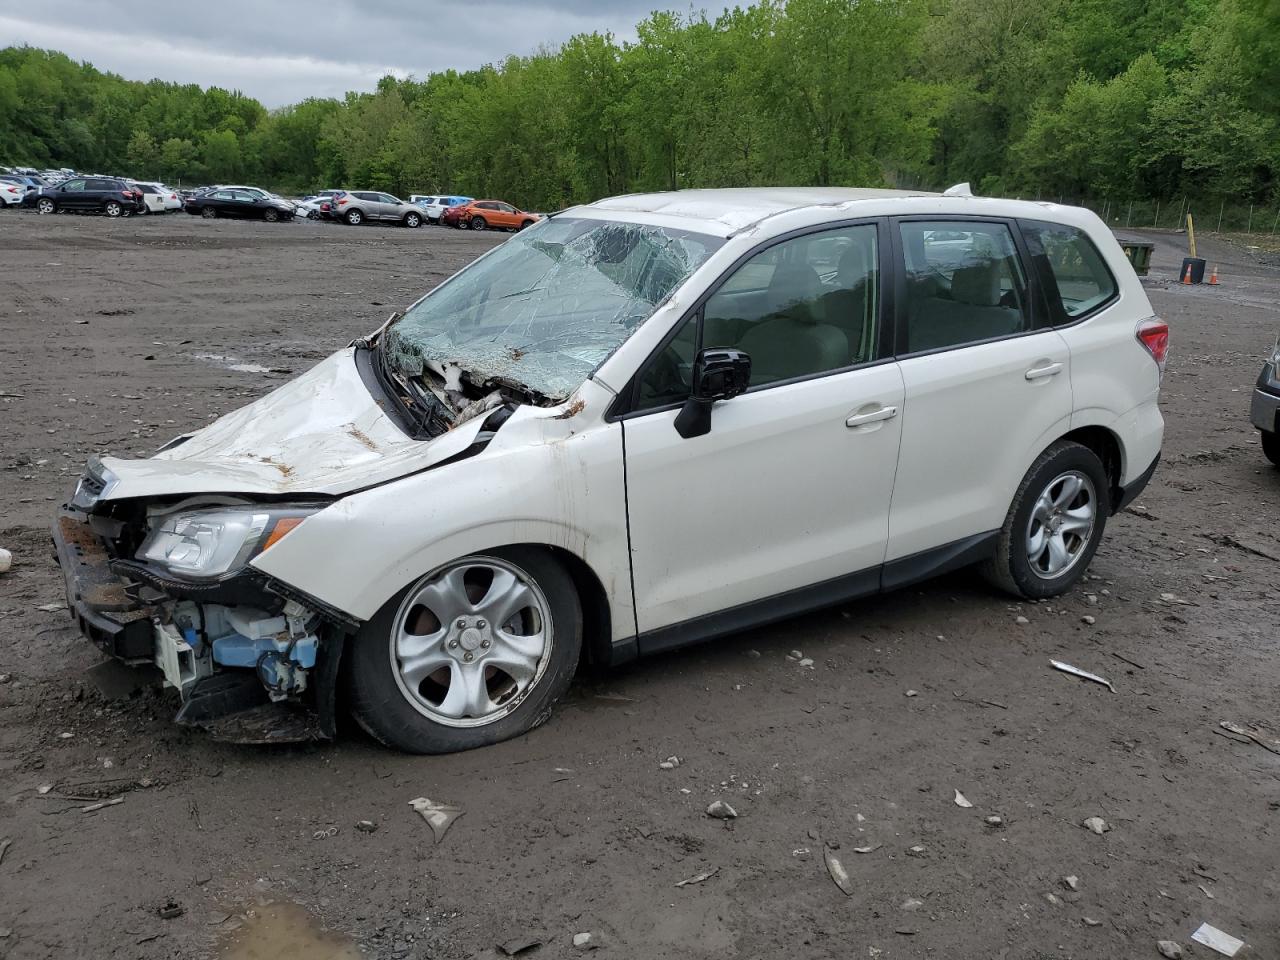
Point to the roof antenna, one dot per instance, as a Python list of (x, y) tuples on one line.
[(959, 190)]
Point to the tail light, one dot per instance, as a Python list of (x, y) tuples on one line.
[(342, 201), (1153, 334)]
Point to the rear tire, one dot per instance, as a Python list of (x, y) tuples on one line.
[(408, 709), (1271, 446), (354, 218), (1044, 548), (112, 208), (313, 214)]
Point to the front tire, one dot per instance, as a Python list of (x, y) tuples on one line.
[(412, 221), (209, 213), (1054, 524), (270, 215), (1271, 446), (474, 653), (478, 223)]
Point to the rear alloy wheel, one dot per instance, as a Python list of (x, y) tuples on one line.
[(271, 214), (45, 205), (1054, 524), (313, 214), (354, 218), (477, 223), (475, 652), (1271, 446), (112, 208)]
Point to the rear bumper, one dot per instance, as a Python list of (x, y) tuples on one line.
[(97, 598)]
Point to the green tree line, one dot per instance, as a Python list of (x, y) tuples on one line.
[(1097, 98)]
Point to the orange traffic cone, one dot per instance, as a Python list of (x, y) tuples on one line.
[(1186, 276), (1213, 277)]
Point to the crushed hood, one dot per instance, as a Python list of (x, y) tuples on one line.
[(322, 433)]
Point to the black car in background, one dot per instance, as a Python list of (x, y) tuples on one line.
[(238, 203), (107, 195)]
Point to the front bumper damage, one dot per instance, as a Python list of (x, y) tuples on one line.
[(252, 661)]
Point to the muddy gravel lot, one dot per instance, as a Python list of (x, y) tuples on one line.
[(120, 334)]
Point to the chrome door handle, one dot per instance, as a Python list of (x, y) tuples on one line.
[(859, 419), (1048, 370)]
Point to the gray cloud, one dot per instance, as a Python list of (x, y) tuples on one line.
[(285, 50)]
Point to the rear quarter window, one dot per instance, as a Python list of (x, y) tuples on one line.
[(1075, 274)]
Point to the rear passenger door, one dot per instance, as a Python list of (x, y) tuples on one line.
[(986, 377)]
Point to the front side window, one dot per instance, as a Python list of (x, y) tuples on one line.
[(1081, 276), (964, 284), (544, 309), (801, 307)]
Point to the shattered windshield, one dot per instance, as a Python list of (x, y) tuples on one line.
[(545, 308)]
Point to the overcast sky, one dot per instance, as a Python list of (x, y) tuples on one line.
[(281, 51)]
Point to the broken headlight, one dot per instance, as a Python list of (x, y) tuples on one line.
[(208, 543)]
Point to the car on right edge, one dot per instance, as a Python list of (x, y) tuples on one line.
[(1265, 406)]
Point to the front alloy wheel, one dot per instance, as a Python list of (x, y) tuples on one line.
[(473, 653), (209, 213), (44, 205)]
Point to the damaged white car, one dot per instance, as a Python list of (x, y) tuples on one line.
[(638, 424)]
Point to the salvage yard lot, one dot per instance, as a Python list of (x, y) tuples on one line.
[(120, 334)]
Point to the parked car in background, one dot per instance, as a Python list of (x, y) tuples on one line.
[(108, 195), (529, 463), (12, 191), (153, 196), (237, 202), (1265, 407), (452, 216), (494, 215), (358, 206), (310, 207), (438, 205)]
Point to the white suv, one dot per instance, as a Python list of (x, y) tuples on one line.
[(639, 424)]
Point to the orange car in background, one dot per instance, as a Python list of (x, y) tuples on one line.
[(490, 215)]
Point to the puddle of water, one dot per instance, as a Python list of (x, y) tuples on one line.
[(285, 931), (231, 363)]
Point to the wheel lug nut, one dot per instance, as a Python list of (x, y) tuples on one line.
[(453, 644), (480, 624), (462, 622), (467, 657), (485, 644)]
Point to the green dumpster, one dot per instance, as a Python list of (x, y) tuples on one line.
[(1139, 254)]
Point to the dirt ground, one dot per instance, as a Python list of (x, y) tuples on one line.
[(119, 334)]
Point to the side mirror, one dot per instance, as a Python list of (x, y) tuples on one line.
[(719, 373)]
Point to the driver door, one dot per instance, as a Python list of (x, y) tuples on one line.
[(784, 504)]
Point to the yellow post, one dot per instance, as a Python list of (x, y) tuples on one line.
[(1191, 234)]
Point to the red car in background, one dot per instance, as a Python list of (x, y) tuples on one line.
[(488, 215)]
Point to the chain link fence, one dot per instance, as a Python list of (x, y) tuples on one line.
[(1210, 215)]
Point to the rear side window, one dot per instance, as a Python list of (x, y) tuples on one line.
[(964, 284), (1080, 279)]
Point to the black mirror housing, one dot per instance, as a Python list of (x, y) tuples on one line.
[(719, 373)]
